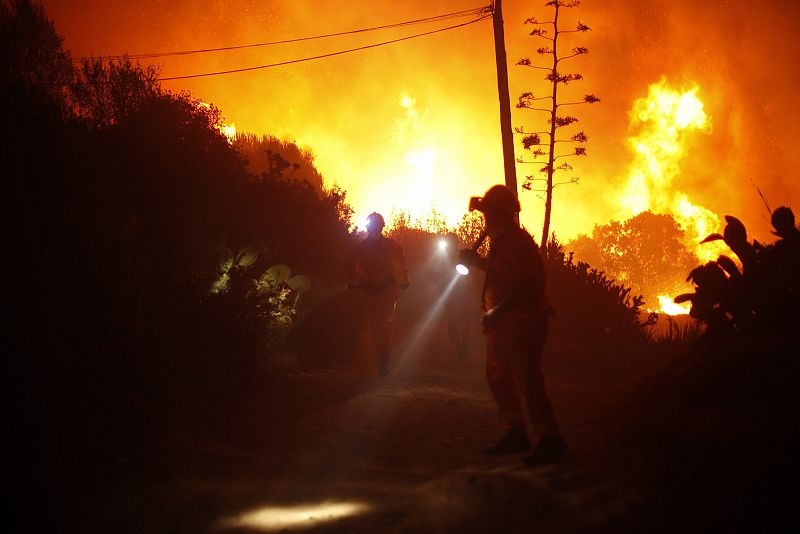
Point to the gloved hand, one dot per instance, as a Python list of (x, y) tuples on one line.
[(469, 257)]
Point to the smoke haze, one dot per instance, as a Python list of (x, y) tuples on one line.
[(355, 111)]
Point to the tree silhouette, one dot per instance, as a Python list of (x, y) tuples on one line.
[(30, 51), (533, 140), (119, 197), (103, 94)]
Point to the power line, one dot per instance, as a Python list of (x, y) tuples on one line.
[(340, 52), (426, 20)]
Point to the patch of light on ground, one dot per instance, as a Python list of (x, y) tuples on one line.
[(278, 518)]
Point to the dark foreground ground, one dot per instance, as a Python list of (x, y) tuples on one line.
[(343, 451)]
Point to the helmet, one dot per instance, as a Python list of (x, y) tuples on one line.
[(498, 197), (783, 221), (375, 220)]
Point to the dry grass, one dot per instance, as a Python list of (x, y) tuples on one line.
[(681, 331)]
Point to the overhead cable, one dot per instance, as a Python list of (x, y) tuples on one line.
[(337, 53), (437, 18)]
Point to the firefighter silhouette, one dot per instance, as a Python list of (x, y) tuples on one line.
[(515, 323), (378, 268)]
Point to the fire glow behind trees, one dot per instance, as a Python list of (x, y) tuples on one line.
[(345, 108)]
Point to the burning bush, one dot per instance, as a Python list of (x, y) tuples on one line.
[(645, 252)]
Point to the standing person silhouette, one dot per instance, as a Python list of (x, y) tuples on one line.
[(378, 268), (515, 323)]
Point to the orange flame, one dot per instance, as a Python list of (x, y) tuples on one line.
[(670, 307), (229, 130), (664, 119), (413, 186)]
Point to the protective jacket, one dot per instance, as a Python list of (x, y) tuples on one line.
[(378, 267), (514, 264), (514, 344), (377, 264)]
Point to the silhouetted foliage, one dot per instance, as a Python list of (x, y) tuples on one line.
[(402, 223), (713, 442), (32, 63), (761, 299), (680, 333), (590, 305), (268, 155), (105, 93), (119, 198), (469, 230), (550, 103)]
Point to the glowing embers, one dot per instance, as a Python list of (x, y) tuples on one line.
[(229, 130), (278, 518), (669, 307)]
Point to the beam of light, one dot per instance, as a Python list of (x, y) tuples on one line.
[(280, 518), (462, 269), (422, 329)]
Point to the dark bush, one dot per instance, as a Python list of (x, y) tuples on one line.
[(589, 306)]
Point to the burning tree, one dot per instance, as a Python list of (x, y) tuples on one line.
[(533, 140), (645, 252)]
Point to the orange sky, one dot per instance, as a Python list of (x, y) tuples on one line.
[(417, 121)]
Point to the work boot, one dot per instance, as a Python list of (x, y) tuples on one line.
[(514, 441), (551, 450)]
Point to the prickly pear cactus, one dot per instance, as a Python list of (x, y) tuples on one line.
[(299, 284)]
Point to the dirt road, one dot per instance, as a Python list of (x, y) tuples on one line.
[(345, 451)]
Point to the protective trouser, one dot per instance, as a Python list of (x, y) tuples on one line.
[(513, 353), (380, 310)]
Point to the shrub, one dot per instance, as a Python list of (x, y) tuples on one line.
[(589, 305)]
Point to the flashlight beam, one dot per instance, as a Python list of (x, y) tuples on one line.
[(423, 327)]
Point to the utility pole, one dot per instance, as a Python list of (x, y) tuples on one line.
[(505, 101)]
